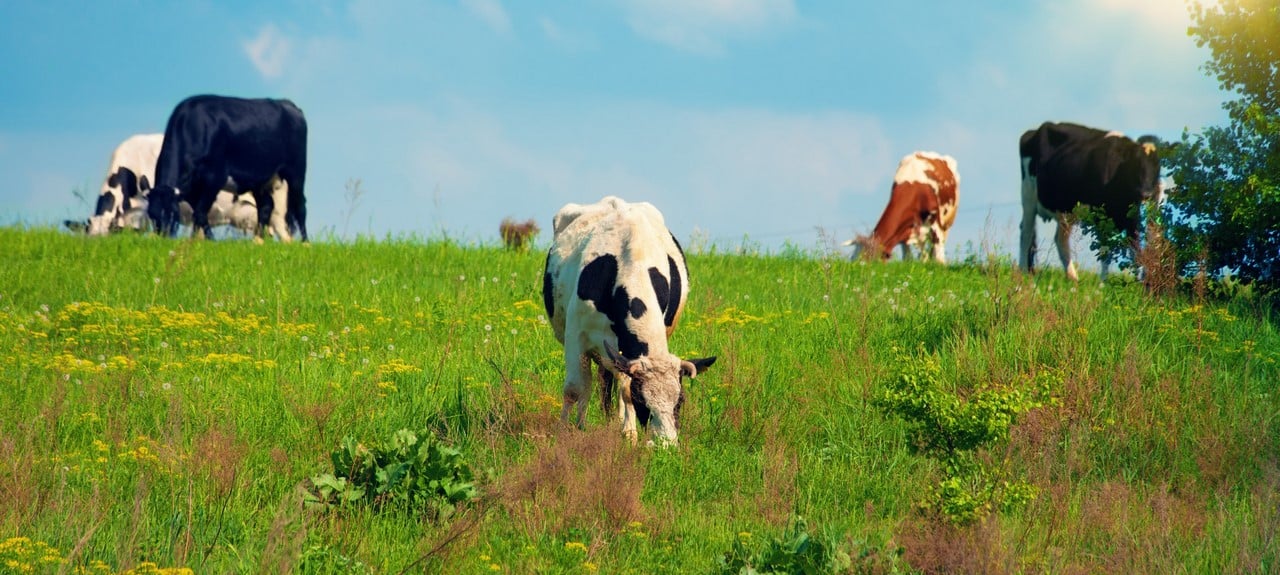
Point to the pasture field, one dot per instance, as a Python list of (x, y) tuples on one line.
[(166, 404)]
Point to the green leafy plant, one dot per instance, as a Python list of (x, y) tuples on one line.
[(412, 470), (796, 552), (951, 427)]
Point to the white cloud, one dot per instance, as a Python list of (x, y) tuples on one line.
[(269, 51), (565, 39), (703, 27), (491, 13)]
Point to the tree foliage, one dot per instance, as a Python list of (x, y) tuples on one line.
[(1226, 209)]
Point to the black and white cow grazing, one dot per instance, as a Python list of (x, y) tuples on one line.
[(1068, 164), (258, 145), (122, 203), (614, 287), (133, 168)]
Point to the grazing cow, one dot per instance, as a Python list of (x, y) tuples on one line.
[(1065, 165), (614, 287), (122, 203), (922, 207), (133, 168), (258, 145), (516, 235)]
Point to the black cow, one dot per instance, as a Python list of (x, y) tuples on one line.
[(214, 141), (1067, 164)]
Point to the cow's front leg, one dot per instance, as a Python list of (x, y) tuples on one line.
[(1063, 237), (577, 388), (200, 227)]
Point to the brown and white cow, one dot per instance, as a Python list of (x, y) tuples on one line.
[(1065, 165), (614, 287), (922, 207)]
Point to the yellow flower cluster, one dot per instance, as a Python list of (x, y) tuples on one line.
[(22, 555), (397, 366)]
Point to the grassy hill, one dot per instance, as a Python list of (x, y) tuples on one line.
[(167, 403)]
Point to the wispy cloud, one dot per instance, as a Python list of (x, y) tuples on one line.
[(491, 13), (269, 51), (704, 27), (559, 36)]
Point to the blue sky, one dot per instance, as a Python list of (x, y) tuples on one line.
[(758, 118)]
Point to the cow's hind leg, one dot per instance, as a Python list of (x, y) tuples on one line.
[(280, 203), (1030, 205), (576, 388)]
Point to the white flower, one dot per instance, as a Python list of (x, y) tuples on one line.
[(44, 308), (514, 331), (102, 357), (166, 385), (196, 379), (156, 280), (373, 281), (495, 279), (930, 299), (462, 278), (746, 296), (346, 329), (66, 377), (164, 344), (488, 327), (391, 347), (416, 299), (305, 339), (364, 361), (826, 297)]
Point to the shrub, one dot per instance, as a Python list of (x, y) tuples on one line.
[(414, 470), (796, 552), (952, 428)]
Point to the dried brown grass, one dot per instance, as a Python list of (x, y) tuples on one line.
[(591, 480), (218, 456), (1158, 261)]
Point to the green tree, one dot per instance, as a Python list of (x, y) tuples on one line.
[(1226, 209)]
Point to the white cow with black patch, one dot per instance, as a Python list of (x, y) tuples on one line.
[(614, 287), (122, 203)]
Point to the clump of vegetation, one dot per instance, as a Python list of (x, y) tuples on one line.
[(796, 552), (952, 427), (413, 470)]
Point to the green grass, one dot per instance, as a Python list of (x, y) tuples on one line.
[(165, 401)]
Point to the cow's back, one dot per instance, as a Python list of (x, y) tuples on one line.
[(597, 247)]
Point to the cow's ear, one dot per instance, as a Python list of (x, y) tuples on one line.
[(112, 181), (692, 367), (144, 184)]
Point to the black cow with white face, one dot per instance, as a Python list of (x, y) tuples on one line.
[(614, 288), (215, 141), (1066, 164)]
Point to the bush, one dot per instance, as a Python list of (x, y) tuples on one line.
[(951, 428), (415, 470)]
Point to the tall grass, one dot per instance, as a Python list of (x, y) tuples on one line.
[(166, 401)]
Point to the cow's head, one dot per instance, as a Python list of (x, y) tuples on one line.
[(1147, 161), (868, 248), (657, 389), (164, 211), (104, 215)]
